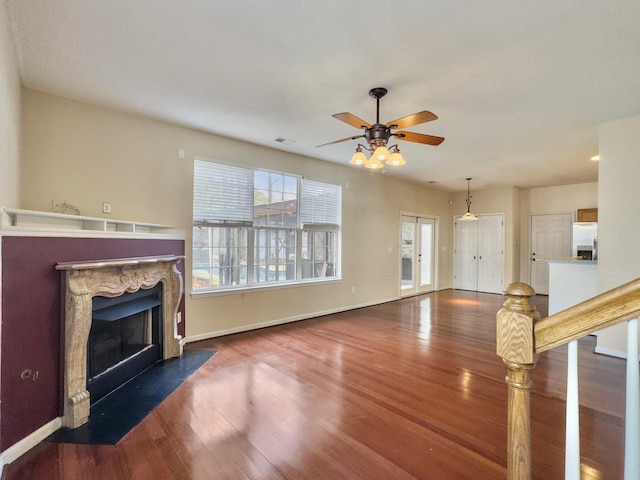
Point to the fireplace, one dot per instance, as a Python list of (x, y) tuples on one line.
[(124, 340), (120, 317)]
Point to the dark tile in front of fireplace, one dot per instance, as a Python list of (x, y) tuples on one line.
[(115, 415)]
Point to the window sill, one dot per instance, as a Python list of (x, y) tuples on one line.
[(262, 287)]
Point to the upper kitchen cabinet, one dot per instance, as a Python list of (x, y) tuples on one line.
[(587, 215)]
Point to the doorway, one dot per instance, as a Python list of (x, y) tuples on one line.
[(550, 240), (479, 254), (417, 256)]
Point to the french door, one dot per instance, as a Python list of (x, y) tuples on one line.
[(417, 255)]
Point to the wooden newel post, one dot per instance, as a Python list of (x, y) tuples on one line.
[(515, 343)]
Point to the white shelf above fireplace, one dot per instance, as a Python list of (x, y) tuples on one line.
[(29, 222)]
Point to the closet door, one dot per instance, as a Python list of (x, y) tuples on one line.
[(491, 254), (465, 275), (479, 254)]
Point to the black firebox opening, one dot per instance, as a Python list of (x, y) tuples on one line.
[(125, 339)]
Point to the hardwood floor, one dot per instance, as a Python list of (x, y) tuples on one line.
[(410, 389)]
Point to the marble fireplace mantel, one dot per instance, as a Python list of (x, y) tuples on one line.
[(110, 278)]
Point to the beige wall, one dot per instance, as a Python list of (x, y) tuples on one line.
[(618, 221), (9, 115), (546, 201), (87, 155)]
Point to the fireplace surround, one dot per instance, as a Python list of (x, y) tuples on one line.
[(110, 278)]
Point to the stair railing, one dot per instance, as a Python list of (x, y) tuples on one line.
[(522, 336)]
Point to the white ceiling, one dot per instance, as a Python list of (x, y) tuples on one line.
[(519, 87)]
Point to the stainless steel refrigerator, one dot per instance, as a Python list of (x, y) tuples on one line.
[(585, 240)]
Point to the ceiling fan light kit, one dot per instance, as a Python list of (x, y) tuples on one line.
[(378, 135)]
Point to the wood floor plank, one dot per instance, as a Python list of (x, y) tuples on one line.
[(410, 389)]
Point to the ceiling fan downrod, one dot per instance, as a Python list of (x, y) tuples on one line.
[(378, 93), (378, 134)]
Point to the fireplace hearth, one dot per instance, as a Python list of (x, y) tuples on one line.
[(115, 286)]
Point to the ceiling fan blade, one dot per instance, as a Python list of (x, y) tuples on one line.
[(419, 138), (411, 120), (342, 140), (351, 119)]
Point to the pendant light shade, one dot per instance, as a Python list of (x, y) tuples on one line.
[(468, 216), (374, 163), (396, 159), (381, 153), (358, 158)]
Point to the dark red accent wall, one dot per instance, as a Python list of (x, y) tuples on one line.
[(32, 323)]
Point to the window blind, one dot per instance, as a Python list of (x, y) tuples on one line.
[(320, 205), (222, 195)]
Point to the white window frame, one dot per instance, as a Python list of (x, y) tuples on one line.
[(318, 208)]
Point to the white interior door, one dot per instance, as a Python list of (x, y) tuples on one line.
[(465, 255), (491, 253), (417, 255), (479, 254), (550, 240)]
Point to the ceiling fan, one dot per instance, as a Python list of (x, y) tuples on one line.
[(378, 134)]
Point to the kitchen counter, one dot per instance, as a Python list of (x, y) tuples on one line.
[(571, 281), (574, 260)]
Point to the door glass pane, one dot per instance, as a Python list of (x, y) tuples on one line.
[(426, 249), (408, 235)]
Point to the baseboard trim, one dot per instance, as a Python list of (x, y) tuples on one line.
[(610, 352), (27, 443), (281, 321)]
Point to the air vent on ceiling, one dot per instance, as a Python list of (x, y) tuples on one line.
[(285, 141)]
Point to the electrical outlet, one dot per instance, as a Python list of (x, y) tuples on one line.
[(106, 207)]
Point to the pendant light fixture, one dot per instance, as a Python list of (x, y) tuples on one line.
[(467, 217)]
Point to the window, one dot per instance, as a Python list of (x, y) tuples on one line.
[(256, 227), (318, 254)]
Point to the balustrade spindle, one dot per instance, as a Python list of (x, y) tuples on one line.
[(572, 429), (632, 415)]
